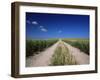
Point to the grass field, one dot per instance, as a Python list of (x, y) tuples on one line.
[(35, 46)]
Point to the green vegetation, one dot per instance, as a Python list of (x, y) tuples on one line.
[(83, 45), (62, 56), (35, 46), (75, 39)]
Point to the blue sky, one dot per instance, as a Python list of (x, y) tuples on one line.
[(45, 25)]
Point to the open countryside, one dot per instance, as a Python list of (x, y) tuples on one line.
[(57, 53), (57, 39)]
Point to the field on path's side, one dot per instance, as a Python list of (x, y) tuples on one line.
[(36, 46)]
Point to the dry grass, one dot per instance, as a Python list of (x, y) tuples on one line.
[(62, 56)]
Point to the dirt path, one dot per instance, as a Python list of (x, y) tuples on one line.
[(43, 58), (80, 57)]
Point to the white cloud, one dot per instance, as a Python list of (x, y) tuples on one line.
[(28, 22), (34, 22), (41, 27), (59, 31), (44, 30)]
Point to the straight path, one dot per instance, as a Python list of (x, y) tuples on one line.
[(44, 58)]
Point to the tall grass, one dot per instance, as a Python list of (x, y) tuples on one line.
[(62, 56), (83, 45), (35, 46)]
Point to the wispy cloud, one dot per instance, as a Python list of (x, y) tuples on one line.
[(34, 22), (59, 31), (44, 30), (41, 26)]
